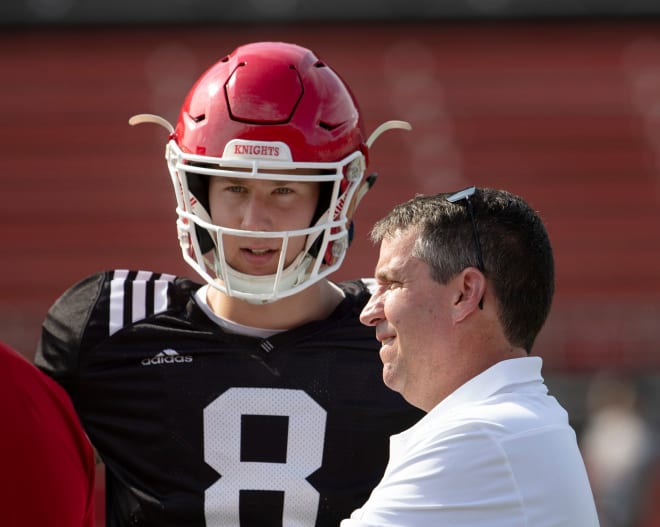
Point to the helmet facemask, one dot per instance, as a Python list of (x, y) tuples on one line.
[(202, 241)]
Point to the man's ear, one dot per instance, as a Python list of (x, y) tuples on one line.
[(470, 286)]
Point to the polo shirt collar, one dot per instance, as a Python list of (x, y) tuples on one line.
[(498, 377)]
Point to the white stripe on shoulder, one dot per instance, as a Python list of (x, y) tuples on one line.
[(117, 300), (138, 300), (160, 292)]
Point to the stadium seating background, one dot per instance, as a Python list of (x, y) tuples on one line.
[(565, 112)]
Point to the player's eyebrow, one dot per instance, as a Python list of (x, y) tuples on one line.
[(233, 181)]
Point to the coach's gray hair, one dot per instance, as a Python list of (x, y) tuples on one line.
[(517, 254), (439, 224)]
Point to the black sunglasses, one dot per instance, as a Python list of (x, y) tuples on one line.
[(465, 194)]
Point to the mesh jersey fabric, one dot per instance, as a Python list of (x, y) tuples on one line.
[(198, 426)]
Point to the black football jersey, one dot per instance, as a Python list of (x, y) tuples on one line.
[(201, 427)]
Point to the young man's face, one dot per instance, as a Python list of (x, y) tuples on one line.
[(261, 205)]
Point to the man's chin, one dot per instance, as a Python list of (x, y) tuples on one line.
[(389, 378)]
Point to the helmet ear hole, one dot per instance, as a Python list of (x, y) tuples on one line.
[(325, 195), (198, 186), (322, 207), (205, 242)]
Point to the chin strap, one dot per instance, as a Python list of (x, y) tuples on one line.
[(289, 277)]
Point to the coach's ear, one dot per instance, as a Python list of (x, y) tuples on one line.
[(469, 288)]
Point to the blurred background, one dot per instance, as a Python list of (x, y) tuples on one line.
[(556, 100)]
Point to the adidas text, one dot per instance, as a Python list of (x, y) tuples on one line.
[(166, 357)]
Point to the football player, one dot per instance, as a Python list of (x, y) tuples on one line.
[(255, 398)]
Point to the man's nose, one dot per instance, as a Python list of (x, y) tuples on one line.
[(255, 214), (372, 313)]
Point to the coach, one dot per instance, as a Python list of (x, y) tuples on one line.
[(464, 283)]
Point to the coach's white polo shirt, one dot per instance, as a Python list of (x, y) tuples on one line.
[(498, 452)]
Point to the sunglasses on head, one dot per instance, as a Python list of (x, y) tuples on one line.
[(465, 195)]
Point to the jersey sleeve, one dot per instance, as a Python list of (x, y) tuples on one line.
[(58, 351)]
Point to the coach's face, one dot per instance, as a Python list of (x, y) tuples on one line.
[(411, 314)]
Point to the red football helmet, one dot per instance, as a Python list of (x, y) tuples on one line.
[(274, 111)]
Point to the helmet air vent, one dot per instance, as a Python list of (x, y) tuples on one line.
[(330, 127)]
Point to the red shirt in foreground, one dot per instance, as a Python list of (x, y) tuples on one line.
[(47, 475)]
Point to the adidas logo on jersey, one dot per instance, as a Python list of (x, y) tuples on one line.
[(167, 356)]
